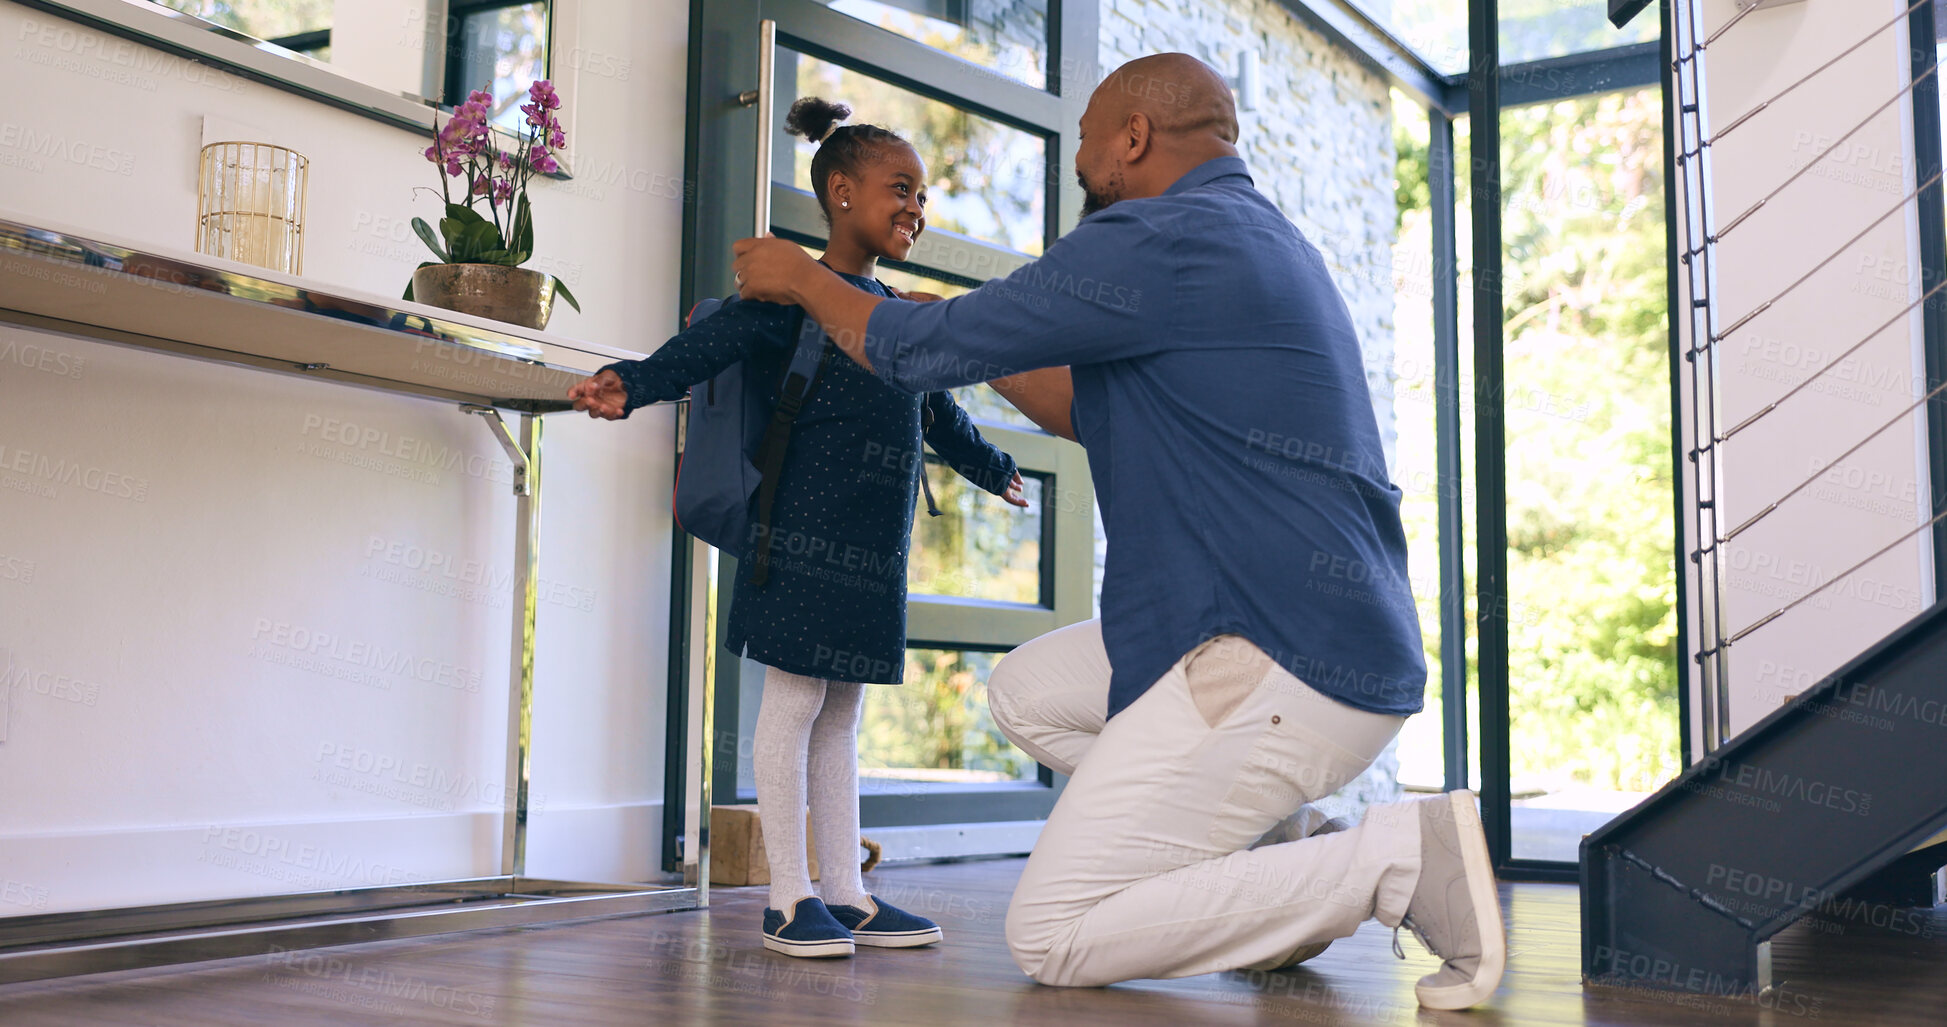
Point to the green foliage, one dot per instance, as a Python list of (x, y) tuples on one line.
[(1592, 618), (938, 721), (1591, 584)]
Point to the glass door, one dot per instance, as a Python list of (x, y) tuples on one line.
[(975, 94)]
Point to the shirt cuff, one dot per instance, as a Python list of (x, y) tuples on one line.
[(885, 345), (621, 369)]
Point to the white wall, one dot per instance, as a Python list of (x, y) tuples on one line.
[(171, 725), (1881, 492)]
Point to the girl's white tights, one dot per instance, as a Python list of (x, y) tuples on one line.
[(807, 751)]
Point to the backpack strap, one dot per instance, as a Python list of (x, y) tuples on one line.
[(925, 482), (807, 365)]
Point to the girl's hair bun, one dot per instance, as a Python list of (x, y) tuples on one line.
[(812, 118)]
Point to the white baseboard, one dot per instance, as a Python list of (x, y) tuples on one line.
[(948, 841), (68, 871)]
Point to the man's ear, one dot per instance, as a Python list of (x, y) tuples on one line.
[(1139, 132)]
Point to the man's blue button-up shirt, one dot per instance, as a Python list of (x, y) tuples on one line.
[(1221, 396)]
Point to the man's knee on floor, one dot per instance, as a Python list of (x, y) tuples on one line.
[(1032, 938)]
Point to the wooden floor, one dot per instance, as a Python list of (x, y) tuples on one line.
[(708, 967)]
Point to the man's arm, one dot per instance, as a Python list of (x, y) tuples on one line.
[(779, 271), (1105, 291), (1045, 396)]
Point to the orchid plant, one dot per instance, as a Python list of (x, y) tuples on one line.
[(467, 150)]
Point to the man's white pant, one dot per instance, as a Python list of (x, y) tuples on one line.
[(1142, 870)]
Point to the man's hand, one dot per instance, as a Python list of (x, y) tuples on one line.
[(773, 270), (1016, 492), (918, 297), (603, 396)]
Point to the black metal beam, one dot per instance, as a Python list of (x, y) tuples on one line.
[(1447, 441), (1490, 433), (1600, 71), (1621, 11), (1933, 263)]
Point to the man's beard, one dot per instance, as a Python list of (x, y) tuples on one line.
[(1093, 200)]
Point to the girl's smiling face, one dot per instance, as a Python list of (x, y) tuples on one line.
[(884, 209)]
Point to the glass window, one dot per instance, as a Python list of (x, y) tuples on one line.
[(502, 50), (980, 547), (261, 19), (1409, 384), (935, 728), (1007, 36), (1593, 665), (988, 181), (1436, 30), (1533, 30)]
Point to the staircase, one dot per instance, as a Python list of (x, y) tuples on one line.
[(1832, 806)]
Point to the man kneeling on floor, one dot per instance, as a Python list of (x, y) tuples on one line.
[(1258, 645)]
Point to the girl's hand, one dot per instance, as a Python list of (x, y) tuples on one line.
[(1016, 492), (603, 396)]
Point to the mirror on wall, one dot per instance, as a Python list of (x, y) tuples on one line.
[(434, 50)]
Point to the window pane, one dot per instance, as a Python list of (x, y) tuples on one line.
[(979, 547), (263, 19), (1592, 659), (935, 728), (1009, 36), (1532, 30), (1415, 467), (1436, 30), (987, 180), (503, 51)]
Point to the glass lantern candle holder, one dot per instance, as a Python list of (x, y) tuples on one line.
[(250, 204)]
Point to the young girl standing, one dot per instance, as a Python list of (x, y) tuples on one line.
[(832, 609)]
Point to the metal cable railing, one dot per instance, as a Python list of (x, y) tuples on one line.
[(1706, 449)]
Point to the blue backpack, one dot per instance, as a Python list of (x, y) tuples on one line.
[(726, 481)]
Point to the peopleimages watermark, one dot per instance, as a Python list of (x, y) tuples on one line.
[(725, 968), (20, 893), (16, 569), (39, 473), (434, 571), (377, 983), (267, 854), (1762, 895), (1638, 970), (31, 352), (1748, 784), (363, 770), (119, 61), (416, 459), (366, 655), (17, 678)]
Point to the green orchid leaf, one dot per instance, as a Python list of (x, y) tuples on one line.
[(464, 214), (505, 258), (480, 238), (454, 230), (561, 289), (426, 235), (521, 239)]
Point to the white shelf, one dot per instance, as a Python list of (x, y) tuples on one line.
[(88, 284)]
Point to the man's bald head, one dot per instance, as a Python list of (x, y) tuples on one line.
[(1179, 94), (1151, 121)]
